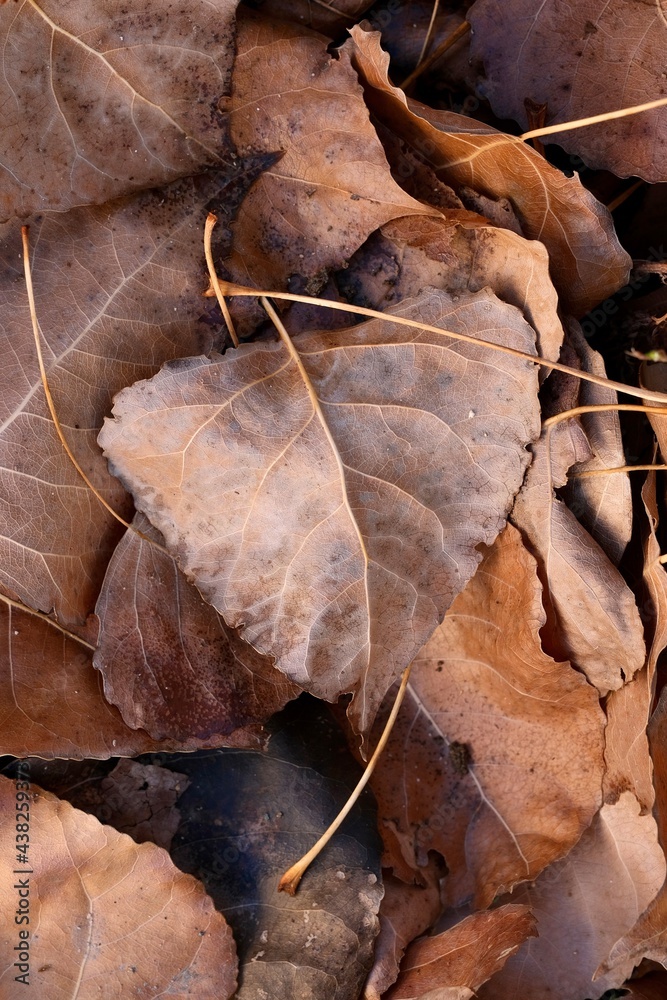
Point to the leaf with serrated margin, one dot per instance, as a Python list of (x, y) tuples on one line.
[(334, 517)]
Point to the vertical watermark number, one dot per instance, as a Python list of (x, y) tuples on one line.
[(22, 870)]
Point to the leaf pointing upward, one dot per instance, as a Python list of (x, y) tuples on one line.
[(334, 517)]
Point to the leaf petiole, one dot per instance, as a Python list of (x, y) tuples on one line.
[(290, 880)]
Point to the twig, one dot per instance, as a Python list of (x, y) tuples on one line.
[(290, 880), (232, 289), (445, 44), (211, 220)]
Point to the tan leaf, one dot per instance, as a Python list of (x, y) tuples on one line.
[(169, 662), (603, 504), (118, 291), (587, 262), (583, 44), (648, 937), (101, 910), (464, 956), (459, 255), (101, 100), (496, 758), (627, 760), (582, 903), (332, 186), (594, 621), (333, 514)]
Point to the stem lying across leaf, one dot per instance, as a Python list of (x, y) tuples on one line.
[(45, 381), (49, 398), (211, 220), (595, 119), (45, 618), (232, 289), (290, 880)]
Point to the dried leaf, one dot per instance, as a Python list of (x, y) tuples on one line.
[(136, 799), (406, 911), (169, 662), (587, 262), (593, 617), (52, 703), (246, 817), (648, 936), (603, 504), (650, 987), (627, 760), (118, 291), (496, 758), (466, 955), (101, 909), (335, 535), (332, 185), (459, 255), (102, 100), (582, 45), (582, 903)]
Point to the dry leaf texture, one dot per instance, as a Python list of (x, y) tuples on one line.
[(332, 186), (594, 621), (587, 262), (334, 517), (459, 255), (118, 292), (582, 44), (466, 955), (52, 704), (487, 712), (170, 664), (406, 911), (101, 909), (648, 937), (101, 99), (603, 504), (581, 904)]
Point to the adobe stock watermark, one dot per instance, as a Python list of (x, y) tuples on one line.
[(21, 872)]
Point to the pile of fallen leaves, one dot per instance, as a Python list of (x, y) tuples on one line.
[(222, 559)]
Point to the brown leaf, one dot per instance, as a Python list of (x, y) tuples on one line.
[(582, 904), (118, 291), (627, 760), (603, 504), (496, 758), (329, 18), (466, 955), (52, 700), (100, 101), (101, 909), (136, 799), (648, 937), (460, 255), (332, 186), (169, 662), (593, 617), (335, 535), (582, 45), (406, 911), (587, 261)]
